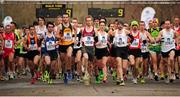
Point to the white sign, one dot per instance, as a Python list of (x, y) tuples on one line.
[(147, 14)]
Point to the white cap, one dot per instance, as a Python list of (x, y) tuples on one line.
[(7, 21)]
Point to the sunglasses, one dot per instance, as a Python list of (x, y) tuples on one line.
[(134, 25)]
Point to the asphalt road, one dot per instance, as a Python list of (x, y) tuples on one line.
[(21, 87)]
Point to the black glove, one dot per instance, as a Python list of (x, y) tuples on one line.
[(78, 44), (96, 39), (144, 41), (131, 37)]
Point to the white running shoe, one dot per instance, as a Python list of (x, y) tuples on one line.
[(11, 76), (134, 80), (122, 83), (167, 81)]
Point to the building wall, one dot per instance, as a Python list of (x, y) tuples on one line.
[(26, 13)]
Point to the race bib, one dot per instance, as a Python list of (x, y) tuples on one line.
[(68, 36), (50, 45), (135, 43), (78, 45), (88, 41), (103, 40), (33, 47), (144, 48), (168, 41), (8, 43), (120, 41)]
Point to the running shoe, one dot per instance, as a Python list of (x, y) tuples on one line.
[(33, 80), (122, 83), (61, 76), (2, 78), (162, 76), (101, 75), (156, 78), (69, 76), (46, 76), (142, 80), (118, 82), (177, 76), (11, 76), (97, 81), (65, 78), (114, 74), (50, 81), (134, 80), (167, 81)]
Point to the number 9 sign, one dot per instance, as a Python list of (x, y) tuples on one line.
[(68, 11), (120, 12)]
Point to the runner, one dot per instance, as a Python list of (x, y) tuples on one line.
[(77, 50), (24, 50), (101, 51), (17, 48), (177, 61), (121, 51), (111, 59), (58, 69), (40, 32), (167, 36), (155, 48), (96, 24), (33, 54), (88, 35), (9, 41), (65, 46), (51, 54), (57, 23), (41, 27), (19, 54), (146, 39), (135, 51), (1, 53), (103, 19)]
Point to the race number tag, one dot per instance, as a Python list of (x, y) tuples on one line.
[(50, 45), (68, 34), (103, 40), (78, 42), (169, 41), (8, 43), (120, 41), (144, 48), (135, 43), (88, 41), (33, 47)]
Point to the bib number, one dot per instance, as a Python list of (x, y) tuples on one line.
[(135, 43), (8, 43), (88, 41), (33, 47), (50, 45), (68, 36), (169, 41), (144, 48), (103, 40)]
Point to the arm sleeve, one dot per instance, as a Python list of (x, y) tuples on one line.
[(96, 39)]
